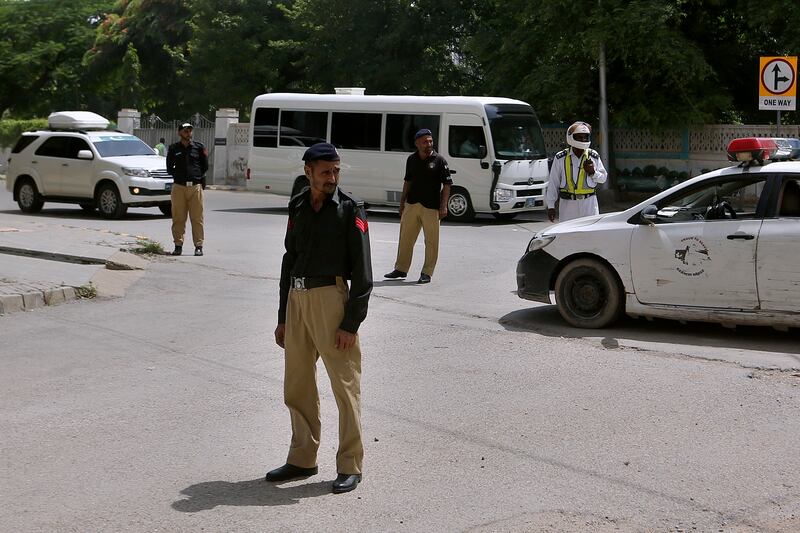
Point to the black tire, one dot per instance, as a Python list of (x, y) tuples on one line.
[(588, 294), (299, 184), (459, 206), (505, 216), (166, 209), (28, 198), (109, 202), (88, 207)]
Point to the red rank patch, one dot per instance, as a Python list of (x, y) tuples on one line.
[(362, 224)]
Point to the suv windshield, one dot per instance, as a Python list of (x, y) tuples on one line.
[(120, 145), (516, 132)]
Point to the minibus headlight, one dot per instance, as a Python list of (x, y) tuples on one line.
[(503, 195), (540, 241)]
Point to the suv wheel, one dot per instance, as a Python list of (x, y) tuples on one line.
[(28, 197), (109, 202)]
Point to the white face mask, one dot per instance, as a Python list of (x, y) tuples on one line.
[(582, 145)]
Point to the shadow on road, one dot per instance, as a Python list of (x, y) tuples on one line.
[(254, 492), (545, 320)]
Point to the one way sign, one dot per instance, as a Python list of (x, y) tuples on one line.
[(777, 84)]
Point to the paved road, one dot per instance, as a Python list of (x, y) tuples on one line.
[(161, 410)]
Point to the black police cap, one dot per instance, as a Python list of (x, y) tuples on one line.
[(323, 151)]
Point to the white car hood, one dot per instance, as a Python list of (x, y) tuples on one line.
[(149, 162), (515, 171), (570, 225)]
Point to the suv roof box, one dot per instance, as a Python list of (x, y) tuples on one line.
[(76, 120)]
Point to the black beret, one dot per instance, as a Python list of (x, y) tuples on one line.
[(324, 151)]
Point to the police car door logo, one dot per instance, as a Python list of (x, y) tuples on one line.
[(692, 257)]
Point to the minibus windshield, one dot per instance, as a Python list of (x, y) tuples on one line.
[(516, 132)]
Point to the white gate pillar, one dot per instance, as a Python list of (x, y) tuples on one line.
[(223, 120), (128, 120)]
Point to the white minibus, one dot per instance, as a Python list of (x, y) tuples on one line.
[(494, 147)]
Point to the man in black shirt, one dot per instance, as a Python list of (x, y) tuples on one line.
[(426, 190), (187, 163), (327, 243)]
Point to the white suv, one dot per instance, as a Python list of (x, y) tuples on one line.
[(77, 160)]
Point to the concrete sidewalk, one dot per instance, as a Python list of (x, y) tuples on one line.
[(44, 263)]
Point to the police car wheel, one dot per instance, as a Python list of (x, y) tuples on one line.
[(459, 206), (28, 198), (588, 294)]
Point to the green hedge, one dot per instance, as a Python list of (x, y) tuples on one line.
[(10, 130)]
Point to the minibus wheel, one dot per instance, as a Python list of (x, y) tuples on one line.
[(459, 206)]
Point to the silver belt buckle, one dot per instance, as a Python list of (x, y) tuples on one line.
[(189, 183), (299, 284)]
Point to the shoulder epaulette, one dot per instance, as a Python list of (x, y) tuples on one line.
[(561, 155)]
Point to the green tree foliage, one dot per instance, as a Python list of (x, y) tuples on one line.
[(157, 33), (238, 49), (669, 62), (390, 47), (41, 45)]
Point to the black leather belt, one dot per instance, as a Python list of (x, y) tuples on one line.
[(570, 196), (302, 284)]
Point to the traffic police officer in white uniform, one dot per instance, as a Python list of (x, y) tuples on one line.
[(574, 177)]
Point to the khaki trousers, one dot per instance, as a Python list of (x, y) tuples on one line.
[(187, 200), (312, 318), (416, 216)]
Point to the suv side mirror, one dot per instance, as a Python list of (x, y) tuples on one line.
[(85, 154), (649, 214)]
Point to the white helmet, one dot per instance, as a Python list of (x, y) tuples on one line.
[(579, 127)]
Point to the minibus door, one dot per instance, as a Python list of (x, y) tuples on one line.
[(465, 147)]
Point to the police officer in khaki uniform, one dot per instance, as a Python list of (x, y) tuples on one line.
[(426, 190), (187, 163), (327, 243)]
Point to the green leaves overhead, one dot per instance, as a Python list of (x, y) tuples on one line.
[(668, 62)]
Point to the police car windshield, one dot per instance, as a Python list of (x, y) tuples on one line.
[(121, 145), (515, 131)]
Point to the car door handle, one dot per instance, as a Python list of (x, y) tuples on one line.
[(742, 236)]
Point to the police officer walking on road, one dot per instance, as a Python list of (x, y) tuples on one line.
[(574, 177), (327, 243), (187, 163), (426, 190)]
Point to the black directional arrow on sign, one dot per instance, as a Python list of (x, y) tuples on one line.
[(777, 70)]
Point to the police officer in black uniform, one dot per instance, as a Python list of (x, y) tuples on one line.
[(327, 243), (187, 163)]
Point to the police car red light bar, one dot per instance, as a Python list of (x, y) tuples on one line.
[(750, 148)]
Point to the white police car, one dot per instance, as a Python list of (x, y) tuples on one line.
[(721, 247), (78, 160)]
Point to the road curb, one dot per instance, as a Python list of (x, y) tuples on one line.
[(15, 296)]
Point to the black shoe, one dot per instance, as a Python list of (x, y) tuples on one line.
[(424, 278), (395, 274), (346, 483), (287, 472), (178, 250), (198, 250)]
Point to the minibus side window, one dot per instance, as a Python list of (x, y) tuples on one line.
[(356, 131), (400, 130), (465, 141), (265, 127), (303, 128)]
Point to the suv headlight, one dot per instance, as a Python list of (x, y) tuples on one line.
[(503, 195), (137, 172), (540, 241)]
